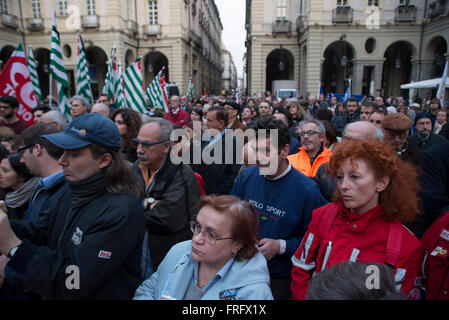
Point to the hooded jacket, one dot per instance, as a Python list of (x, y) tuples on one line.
[(247, 279)]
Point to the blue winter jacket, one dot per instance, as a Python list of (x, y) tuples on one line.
[(246, 280)]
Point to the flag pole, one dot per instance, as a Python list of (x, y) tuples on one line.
[(50, 90)]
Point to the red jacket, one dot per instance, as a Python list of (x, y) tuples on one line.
[(355, 237), (180, 118), (436, 262)]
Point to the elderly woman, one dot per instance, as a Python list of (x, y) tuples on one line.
[(18, 184), (221, 262), (128, 123), (376, 191)]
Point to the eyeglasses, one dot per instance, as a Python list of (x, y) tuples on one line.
[(210, 237), (309, 133), (146, 143), (22, 149)]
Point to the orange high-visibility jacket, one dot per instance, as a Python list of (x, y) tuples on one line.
[(301, 161)]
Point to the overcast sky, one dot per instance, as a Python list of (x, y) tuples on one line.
[(232, 16)]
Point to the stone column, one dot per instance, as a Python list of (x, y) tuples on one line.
[(357, 76)]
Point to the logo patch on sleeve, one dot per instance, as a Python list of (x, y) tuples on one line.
[(104, 254), (445, 234)]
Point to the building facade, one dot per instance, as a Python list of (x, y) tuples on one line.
[(184, 36), (229, 75), (378, 44)]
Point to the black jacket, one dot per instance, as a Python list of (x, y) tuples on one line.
[(434, 186), (99, 233), (219, 176), (168, 222)]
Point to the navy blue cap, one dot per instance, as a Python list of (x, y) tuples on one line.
[(421, 115), (87, 129)]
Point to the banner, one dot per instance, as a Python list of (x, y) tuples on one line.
[(15, 81)]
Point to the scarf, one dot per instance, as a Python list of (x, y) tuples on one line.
[(17, 198), (86, 190)]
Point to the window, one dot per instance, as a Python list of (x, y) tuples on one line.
[(405, 2), (90, 7), (36, 9), (62, 7), (373, 3), (152, 11), (342, 3), (4, 6), (282, 10)]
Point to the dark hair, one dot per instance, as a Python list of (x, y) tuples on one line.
[(158, 113), (221, 115), (118, 175), (270, 122), (199, 111), (331, 134), (380, 110), (352, 99), (3, 152), (41, 107), (11, 101), (323, 114), (348, 281), (104, 95), (19, 167), (133, 121), (33, 135), (244, 221)]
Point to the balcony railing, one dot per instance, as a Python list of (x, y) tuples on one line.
[(281, 26), (343, 14), (437, 7), (34, 24), (405, 13), (132, 27), (151, 29), (10, 21), (90, 21)]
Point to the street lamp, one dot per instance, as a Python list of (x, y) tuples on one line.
[(281, 64)]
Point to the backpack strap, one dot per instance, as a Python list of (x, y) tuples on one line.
[(394, 243)]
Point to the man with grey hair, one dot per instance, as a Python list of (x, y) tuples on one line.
[(170, 192), (79, 106), (313, 153), (56, 118)]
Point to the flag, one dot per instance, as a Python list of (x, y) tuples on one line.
[(33, 74), (15, 81), (442, 86), (156, 92), (58, 72), (191, 89), (119, 98), (111, 76), (320, 89), (82, 73), (348, 92), (133, 90)]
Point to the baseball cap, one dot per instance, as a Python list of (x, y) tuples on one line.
[(87, 129)]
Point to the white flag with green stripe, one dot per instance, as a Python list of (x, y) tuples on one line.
[(111, 76), (58, 73), (133, 90), (82, 73), (119, 98), (156, 92), (33, 74)]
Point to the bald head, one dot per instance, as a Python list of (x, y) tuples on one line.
[(100, 108), (362, 130)]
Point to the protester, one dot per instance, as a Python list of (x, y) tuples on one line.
[(221, 262), (101, 108), (128, 123), (283, 198), (96, 234), (170, 192), (19, 185), (79, 106), (442, 117), (424, 138), (39, 111), (376, 191), (377, 116), (8, 109), (176, 115), (56, 118)]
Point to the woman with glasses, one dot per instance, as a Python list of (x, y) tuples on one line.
[(376, 192), (221, 262)]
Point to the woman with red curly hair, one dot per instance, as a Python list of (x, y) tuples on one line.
[(376, 192)]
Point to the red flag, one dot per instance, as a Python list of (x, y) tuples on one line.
[(15, 81)]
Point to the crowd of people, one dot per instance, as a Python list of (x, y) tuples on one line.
[(99, 207)]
